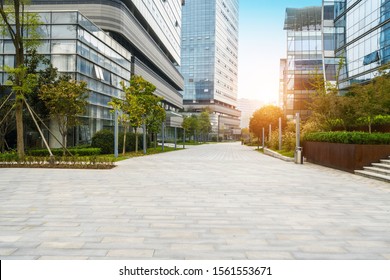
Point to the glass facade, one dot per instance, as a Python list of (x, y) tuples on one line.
[(364, 42), (304, 58), (80, 49), (210, 56)]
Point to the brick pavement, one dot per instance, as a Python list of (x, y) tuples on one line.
[(222, 201)]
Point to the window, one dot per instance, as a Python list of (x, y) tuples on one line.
[(370, 58)]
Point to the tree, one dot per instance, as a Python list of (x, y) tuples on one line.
[(204, 124), (323, 103), (191, 125), (141, 104), (7, 121), (66, 100), (154, 120), (17, 23), (123, 118), (372, 99), (265, 116)]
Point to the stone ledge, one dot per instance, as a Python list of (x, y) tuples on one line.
[(271, 153)]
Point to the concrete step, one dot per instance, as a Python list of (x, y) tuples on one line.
[(373, 175), (381, 165), (385, 161), (382, 171)]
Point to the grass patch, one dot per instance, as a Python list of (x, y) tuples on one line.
[(150, 151)]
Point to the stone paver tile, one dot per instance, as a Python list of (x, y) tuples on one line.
[(63, 258), (386, 256), (7, 251), (59, 233), (62, 245), (130, 253), (120, 239), (322, 249), (9, 238), (264, 255)]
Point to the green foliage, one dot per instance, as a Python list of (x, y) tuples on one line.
[(66, 100), (139, 105), (349, 138), (360, 106), (265, 116), (8, 157), (104, 139), (191, 124), (59, 152), (131, 142), (204, 123)]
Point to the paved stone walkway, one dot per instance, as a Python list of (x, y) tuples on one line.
[(222, 201)]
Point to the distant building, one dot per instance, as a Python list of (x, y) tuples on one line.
[(304, 58), (209, 61), (247, 108)]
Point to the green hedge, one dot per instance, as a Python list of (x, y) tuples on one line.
[(8, 157), (59, 152), (349, 138), (104, 140)]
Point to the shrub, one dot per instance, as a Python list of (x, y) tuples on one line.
[(349, 138), (59, 152), (104, 139), (130, 142), (289, 141), (8, 157)]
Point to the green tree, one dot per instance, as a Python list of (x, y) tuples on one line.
[(154, 119), (66, 100), (324, 103), (141, 104), (191, 125), (265, 116), (17, 23), (372, 99), (204, 124), (7, 120)]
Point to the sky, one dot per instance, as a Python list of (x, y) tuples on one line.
[(262, 43)]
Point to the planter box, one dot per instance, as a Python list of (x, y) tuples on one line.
[(346, 157)]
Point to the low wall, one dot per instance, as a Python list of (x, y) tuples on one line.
[(346, 157), (277, 155)]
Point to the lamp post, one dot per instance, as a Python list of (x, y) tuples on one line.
[(116, 133)]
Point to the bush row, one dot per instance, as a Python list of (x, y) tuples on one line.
[(59, 152), (349, 138), (104, 140), (86, 162)]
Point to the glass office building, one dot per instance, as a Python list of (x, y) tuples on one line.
[(209, 61), (363, 39), (77, 47), (149, 30), (304, 58)]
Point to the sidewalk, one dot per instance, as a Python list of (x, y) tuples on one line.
[(215, 201)]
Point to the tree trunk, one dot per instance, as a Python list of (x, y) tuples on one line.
[(124, 141), (136, 139), (64, 143), (155, 140), (19, 127)]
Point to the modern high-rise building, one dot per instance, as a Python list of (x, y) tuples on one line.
[(209, 61), (304, 58), (105, 42), (362, 37)]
